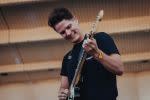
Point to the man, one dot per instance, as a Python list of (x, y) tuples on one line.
[(101, 66)]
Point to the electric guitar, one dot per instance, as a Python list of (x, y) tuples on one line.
[(74, 90)]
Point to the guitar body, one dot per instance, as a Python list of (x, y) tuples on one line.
[(74, 93)]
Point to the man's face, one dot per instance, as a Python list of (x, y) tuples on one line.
[(69, 30)]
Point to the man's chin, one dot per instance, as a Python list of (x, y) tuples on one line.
[(75, 41)]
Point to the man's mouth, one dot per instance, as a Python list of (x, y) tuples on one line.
[(69, 37)]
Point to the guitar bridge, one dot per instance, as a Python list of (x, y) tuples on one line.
[(77, 91)]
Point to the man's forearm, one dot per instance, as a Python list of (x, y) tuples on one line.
[(112, 63)]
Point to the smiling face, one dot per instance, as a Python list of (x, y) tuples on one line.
[(69, 30)]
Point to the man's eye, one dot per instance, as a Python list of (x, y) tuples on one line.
[(62, 32), (69, 26)]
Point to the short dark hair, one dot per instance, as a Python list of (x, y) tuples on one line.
[(57, 15)]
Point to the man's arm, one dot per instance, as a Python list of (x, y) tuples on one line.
[(63, 90), (111, 62)]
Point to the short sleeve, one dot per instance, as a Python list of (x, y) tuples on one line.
[(64, 68), (106, 43), (64, 71)]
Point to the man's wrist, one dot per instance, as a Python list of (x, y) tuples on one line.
[(99, 55)]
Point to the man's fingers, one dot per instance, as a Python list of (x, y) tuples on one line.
[(66, 91), (63, 94)]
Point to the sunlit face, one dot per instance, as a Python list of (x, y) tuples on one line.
[(69, 30)]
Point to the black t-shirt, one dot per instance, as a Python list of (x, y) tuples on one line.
[(98, 83)]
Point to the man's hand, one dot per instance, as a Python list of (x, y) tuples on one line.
[(63, 94), (90, 46)]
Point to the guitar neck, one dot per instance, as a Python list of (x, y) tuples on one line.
[(81, 60)]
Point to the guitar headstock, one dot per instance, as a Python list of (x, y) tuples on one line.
[(100, 15), (95, 24)]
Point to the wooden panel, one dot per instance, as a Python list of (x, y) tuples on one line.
[(87, 10), (9, 55), (143, 80), (31, 35), (133, 42), (29, 76), (132, 63), (111, 9), (121, 25), (42, 66), (111, 26), (30, 90), (127, 87), (29, 22), (44, 51), (4, 33), (30, 67), (135, 57), (8, 2), (132, 8), (12, 68), (137, 66), (14, 77), (33, 52)]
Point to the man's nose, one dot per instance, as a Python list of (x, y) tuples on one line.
[(68, 32)]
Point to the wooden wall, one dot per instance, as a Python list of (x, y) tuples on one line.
[(31, 52)]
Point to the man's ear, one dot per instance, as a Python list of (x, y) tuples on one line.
[(75, 19)]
